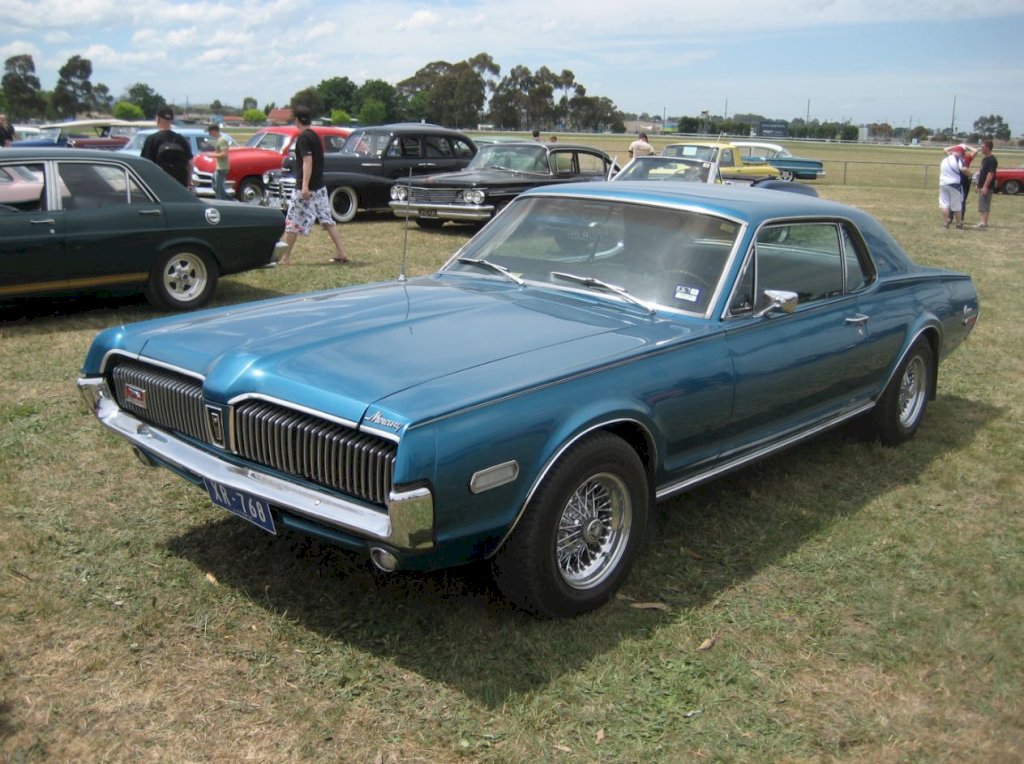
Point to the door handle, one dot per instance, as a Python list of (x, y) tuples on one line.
[(860, 319), (149, 212), (47, 221)]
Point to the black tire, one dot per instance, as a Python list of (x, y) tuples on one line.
[(579, 536), (786, 175), (429, 223), (902, 406), (250, 191), (1011, 186), (344, 203), (183, 279)]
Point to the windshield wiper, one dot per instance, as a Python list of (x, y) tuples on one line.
[(591, 282), (500, 269)]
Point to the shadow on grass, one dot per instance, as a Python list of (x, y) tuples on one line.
[(111, 308), (453, 627)]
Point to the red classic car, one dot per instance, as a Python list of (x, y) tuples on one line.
[(266, 150), (1010, 180)]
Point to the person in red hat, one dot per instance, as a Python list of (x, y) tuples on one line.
[(966, 155)]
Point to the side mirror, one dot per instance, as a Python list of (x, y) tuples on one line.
[(778, 300)]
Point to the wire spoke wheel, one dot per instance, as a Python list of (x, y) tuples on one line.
[(593, 530)]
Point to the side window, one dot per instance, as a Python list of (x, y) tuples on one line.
[(563, 162), (92, 186), (22, 188), (857, 275), (593, 165), (805, 258), (462, 148), (437, 147), (726, 159)]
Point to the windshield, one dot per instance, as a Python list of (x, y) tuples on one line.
[(275, 142), (706, 153), (521, 157), (660, 256), (666, 168)]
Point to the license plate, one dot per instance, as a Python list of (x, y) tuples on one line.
[(428, 213), (246, 506)]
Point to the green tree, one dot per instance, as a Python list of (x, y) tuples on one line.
[(310, 98), (143, 96), (457, 97), (73, 92), (341, 118), (102, 100), (373, 112), (384, 93), (22, 89), (248, 103), (216, 105), (254, 116), (992, 125), (127, 110), (337, 93)]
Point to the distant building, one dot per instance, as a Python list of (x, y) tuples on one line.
[(773, 129)]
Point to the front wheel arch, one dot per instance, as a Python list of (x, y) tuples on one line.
[(581, 531)]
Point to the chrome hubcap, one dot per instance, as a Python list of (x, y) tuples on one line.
[(185, 277), (912, 392), (593, 531)]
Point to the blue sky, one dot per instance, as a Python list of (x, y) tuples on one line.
[(858, 60)]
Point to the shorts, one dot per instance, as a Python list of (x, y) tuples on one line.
[(984, 202), (303, 213), (951, 198)]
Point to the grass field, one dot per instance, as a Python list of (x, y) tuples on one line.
[(841, 601)]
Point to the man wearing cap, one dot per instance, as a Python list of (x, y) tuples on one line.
[(168, 149)]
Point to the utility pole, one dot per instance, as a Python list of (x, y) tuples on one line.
[(952, 121)]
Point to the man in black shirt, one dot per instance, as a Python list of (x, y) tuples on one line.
[(168, 149), (986, 182), (309, 204)]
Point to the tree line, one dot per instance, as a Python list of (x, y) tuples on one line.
[(461, 95)]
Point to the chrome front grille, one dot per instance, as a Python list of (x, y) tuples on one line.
[(323, 452), (162, 397), (421, 195), (302, 445)]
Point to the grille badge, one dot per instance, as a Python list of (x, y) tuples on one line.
[(215, 424), (135, 395)]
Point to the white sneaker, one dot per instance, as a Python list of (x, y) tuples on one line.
[(981, 225)]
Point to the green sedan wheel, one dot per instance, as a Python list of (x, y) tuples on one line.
[(183, 279)]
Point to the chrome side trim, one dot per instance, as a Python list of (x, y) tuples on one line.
[(741, 461), (409, 527)]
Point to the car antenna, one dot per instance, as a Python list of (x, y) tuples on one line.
[(405, 241)]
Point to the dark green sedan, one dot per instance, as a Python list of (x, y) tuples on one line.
[(74, 220)]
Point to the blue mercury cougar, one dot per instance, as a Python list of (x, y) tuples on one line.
[(593, 350)]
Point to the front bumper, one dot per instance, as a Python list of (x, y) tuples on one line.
[(472, 213), (408, 525)]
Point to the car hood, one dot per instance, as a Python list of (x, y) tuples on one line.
[(415, 350), (481, 178)]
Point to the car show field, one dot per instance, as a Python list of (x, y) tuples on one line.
[(839, 601)]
